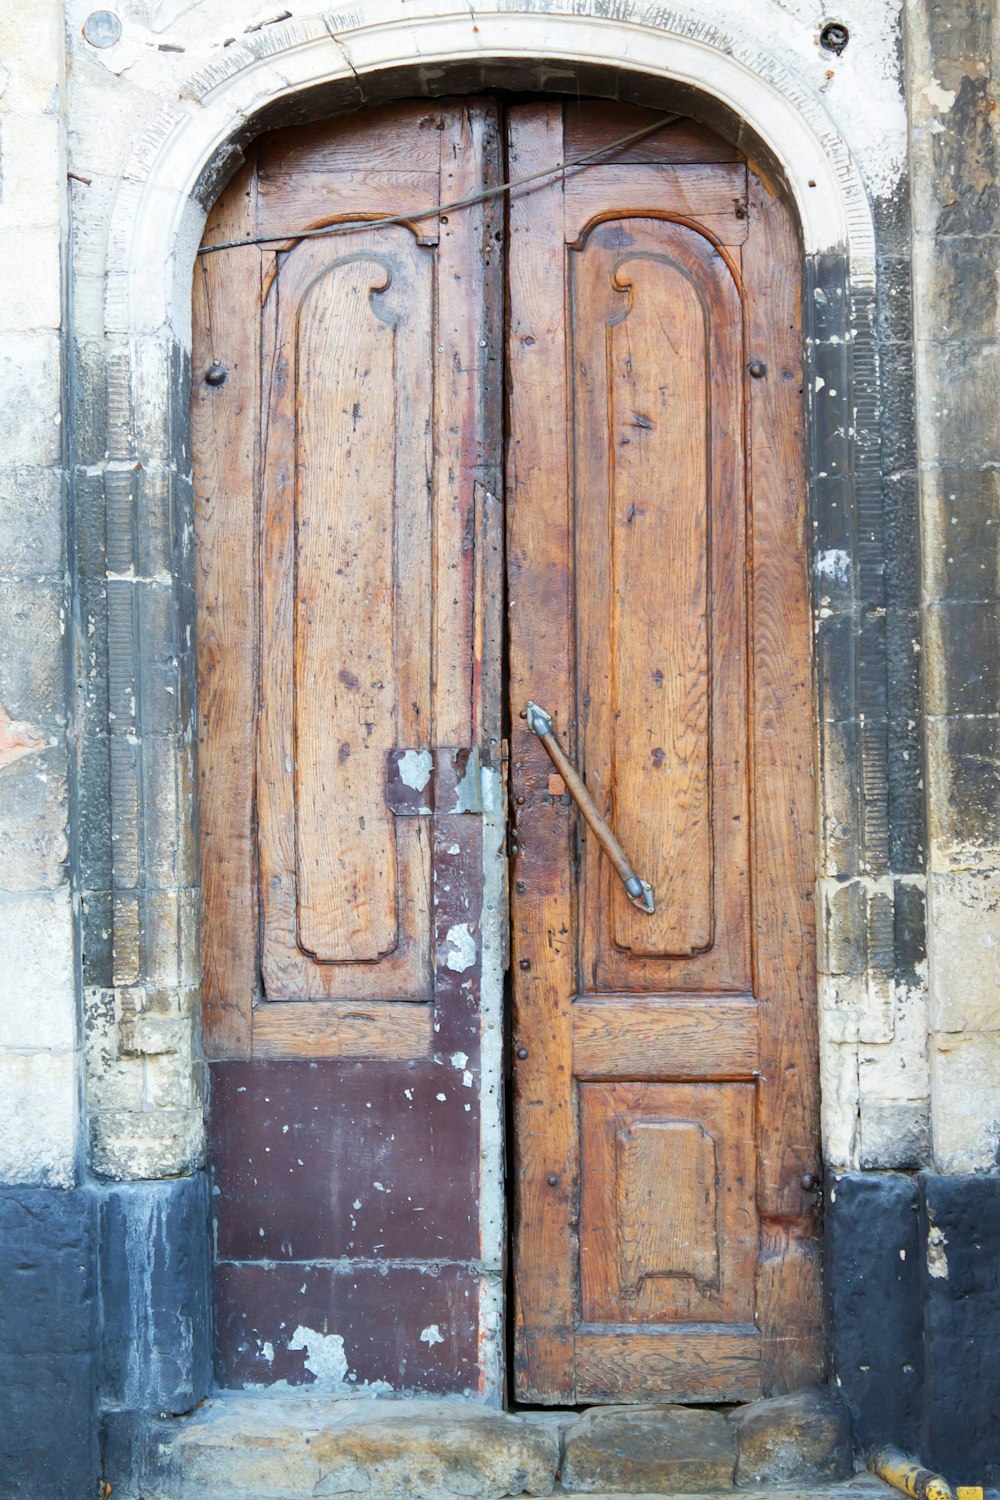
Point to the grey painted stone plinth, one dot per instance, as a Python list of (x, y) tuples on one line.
[(793, 1439), (155, 1279), (48, 1331), (643, 1449)]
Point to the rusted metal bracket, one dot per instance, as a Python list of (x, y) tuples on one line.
[(447, 780), (640, 892)]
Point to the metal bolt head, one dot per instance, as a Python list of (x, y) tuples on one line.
[(553, 1180), (834, 37), (807, 1182), (757, 368), (522, 1053), (216, 374), (102, 28)]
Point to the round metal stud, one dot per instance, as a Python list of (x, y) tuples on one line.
[(757, 368), (216, 374), (102, 28)]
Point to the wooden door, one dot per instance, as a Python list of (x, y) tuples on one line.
[(349, 540), (347, 423), (665, 1085)]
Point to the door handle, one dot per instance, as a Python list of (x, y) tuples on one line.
[(640, 892)]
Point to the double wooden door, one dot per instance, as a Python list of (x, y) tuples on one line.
[(605, 364)]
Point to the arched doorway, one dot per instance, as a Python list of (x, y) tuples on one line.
[(358, 686)]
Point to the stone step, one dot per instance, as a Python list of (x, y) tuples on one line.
[(257, 1446)]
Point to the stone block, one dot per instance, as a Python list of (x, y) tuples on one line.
[(32, 55), (31, 522), (962, 666), (873, 1293), (47, 1270), (962, 527), (965, 372), (839, 1093), (34, 170), (648, 1450), (155, 1289), (36, 960), (30, 397), (39, 1094), (32, 654), (965, 1108), (804, 1438), (963, 772), (964, 912), (894, 1136), (34, 814), (430, 1450), (127, 1145), (32, 279), (48, 1436), (960, 1222), (48, 1333)]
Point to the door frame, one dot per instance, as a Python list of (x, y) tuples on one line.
[(176, 172)]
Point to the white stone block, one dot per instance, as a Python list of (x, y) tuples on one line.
[(32, 54), (965, 1102), (964, 951), (34, 172), (129, 1145), (38, 1004), (38, 1107), (32, 295), (840, 1104), (31, 398)]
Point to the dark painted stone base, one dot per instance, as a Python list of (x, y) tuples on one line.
[(104, 1301), (155, 1290), (48, 1339), (913, 1291)]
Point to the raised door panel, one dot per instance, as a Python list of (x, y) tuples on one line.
[(660, 527), (346, 662)]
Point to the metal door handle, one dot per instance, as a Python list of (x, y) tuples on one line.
[(640, 892)]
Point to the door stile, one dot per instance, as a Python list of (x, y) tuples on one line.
[(789, 1290), (539, 548), (225, 440)]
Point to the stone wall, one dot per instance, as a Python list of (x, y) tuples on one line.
[(39, 1071), (953, 66)]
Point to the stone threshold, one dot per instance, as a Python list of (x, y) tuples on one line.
[(251, 1445)]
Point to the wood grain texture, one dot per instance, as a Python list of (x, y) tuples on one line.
[(341, 676), (783, 809), (225, 456), (540, 643), (592, 124), (660, 538), (667, 1193), (348, 347), (617, 1036), (713, 197), (697, 1364), (343, 1028)]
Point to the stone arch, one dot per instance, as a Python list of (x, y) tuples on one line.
[(313, 66)]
